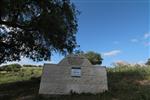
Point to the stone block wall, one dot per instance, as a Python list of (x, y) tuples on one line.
[(57, 79)]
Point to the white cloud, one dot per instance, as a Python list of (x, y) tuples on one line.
[(146, 35), (134, 40), (112, 53)]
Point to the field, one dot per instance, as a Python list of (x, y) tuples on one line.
[(125, 83), (25, 73)]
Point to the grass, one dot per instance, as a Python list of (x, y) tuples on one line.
[(25, 73), (129, 83), (125, 83)]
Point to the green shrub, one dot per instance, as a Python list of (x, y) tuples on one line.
[(30, 66), (11, 67)]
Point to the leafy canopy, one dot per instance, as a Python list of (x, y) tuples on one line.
[(36, 28), (94, 57), (148, 62)]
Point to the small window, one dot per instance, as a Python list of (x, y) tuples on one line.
[(76, 72)]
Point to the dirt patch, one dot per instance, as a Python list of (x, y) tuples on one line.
[(143, 82)]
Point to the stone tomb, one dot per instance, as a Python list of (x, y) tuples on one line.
[(73, 74)]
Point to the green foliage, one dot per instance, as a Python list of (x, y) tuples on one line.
[(36, 28), (25, 73), (130, 82), (125, 83), (11, 67), (148, 62), (32, 66), (93, 57)]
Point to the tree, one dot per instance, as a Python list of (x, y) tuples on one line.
[(148, 62), (93, 57), (36, 28), (11, 67)]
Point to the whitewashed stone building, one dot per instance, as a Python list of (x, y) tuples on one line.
[(73, 74)]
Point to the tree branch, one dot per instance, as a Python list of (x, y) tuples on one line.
[(15, 25)]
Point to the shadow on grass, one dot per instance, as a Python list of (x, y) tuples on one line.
[(13, 90), (124, 85)]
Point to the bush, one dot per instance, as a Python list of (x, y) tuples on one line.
[(11, 67), (2, 68), (148, 62), (30, 66)]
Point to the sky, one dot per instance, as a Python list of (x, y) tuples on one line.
[(117, 29)]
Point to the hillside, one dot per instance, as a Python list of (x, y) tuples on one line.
[(125, 83)]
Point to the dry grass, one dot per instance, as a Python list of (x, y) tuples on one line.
[(130, 83)]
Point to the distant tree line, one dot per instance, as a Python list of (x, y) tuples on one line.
[(15, 67), (93, 57)]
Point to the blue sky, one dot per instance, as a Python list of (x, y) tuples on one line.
[(117, 29)]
